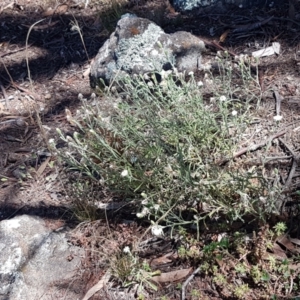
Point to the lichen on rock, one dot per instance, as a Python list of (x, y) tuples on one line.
[(139, 46), (141, 53)]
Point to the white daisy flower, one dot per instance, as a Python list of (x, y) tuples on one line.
[(126, 249), (124, 173), (157, 230), (234, 113), (156, 206), (223, 98), (143, 213), (154, 52), (277, 118), (165, 74)]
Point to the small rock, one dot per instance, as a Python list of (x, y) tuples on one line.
[(48, 96), (139, 46)]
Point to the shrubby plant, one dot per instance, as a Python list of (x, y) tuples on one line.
[(163, 146)]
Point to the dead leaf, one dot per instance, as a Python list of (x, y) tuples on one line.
[(86, 72), (43, 166), (98, 286), (279, 253), (295, 241), (224, 36), (285, 242), (161, 260), (172, 276), (274, 49)]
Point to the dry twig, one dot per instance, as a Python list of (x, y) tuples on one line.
[(259, 145), (4, 94), (187, 282), (278, 99), (294, 164), (249, 27), (253, 147), (15, 51)]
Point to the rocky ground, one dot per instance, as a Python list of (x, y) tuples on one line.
[(46, 48)]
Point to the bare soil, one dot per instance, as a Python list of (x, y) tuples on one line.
[(33, 105)]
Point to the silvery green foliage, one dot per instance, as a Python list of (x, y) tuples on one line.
[(191, 4)]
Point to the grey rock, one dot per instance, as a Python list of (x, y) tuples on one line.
[(34, 261), (139, 46)]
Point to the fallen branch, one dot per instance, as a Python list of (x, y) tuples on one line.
[(259, 145), (216, 45), (267, 160), (253, 147)]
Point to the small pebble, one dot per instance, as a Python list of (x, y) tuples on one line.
[(47, 96)]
